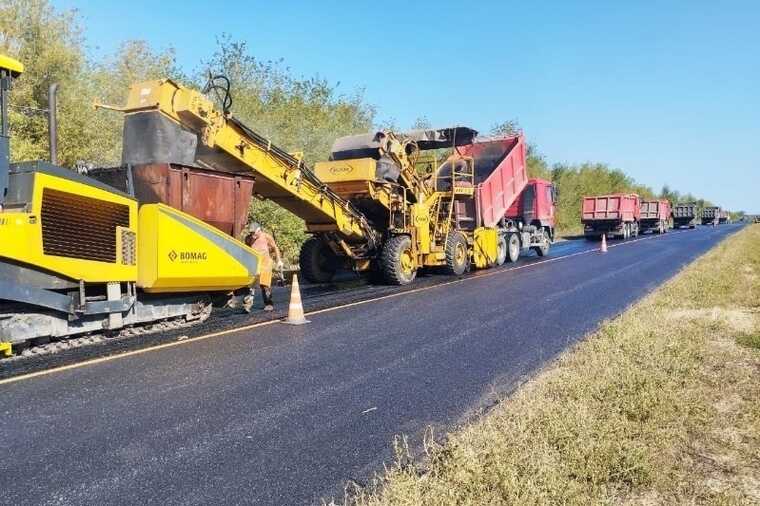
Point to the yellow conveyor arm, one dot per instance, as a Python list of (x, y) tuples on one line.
[(226, 144)]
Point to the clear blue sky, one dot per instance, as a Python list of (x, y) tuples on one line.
[(667, 91)]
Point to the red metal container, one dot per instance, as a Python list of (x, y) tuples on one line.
[(612, 215), (500, 175), (655, 216), (619, 208), (655, 210), (219, 198)]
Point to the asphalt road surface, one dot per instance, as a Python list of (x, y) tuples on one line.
[(280, 414)]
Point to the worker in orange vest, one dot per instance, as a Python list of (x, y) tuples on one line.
[(263, 243)]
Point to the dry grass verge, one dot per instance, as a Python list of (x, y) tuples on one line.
[(660, 406)]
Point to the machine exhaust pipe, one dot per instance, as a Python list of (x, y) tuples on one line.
[(53, 122), (5, 149)]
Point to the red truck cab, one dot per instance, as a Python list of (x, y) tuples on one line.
[(535, 206), (529, 222)]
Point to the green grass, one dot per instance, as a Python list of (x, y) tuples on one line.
[(660, 406), (751, 341)]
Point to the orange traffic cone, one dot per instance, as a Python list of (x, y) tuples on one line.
[(604, 243), (295, 310)]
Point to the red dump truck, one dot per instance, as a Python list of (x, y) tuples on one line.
[(522, 209), (655, 216), (613, 215), (530, 219)]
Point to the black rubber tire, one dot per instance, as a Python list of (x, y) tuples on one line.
[(543, 250), (457, 256), (513, 248), (390, 261), (317, 261), (501, 250)]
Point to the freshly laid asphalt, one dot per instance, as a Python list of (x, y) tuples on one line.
[(281, 414)]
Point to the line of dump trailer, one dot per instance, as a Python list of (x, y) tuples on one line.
[(628, 215)]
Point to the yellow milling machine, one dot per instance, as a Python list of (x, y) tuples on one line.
[(368, 209), (77, 255)]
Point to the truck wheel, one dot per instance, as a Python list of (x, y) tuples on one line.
[(634, 230), (543, 249), (457, 257), (501, 251), (397, 263), (513, 248), (317, 261)]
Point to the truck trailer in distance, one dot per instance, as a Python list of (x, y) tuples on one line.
[(685, 215), (613, 215), (655, 216), (710, 215)]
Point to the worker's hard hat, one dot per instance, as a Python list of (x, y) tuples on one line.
[(254, 227)]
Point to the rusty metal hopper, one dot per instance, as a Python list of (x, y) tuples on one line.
[(218, 198)]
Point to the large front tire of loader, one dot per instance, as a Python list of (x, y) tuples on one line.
[(457, 257), (317, 261), (397, 263)]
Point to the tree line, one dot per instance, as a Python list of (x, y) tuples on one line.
[(299, 114)]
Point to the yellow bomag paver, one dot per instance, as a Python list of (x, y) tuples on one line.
[(78, 255)]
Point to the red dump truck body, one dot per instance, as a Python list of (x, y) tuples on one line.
[(616, 214), (220, 199), (522, 211), (655, 216), (500, 175), (655, 210)]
